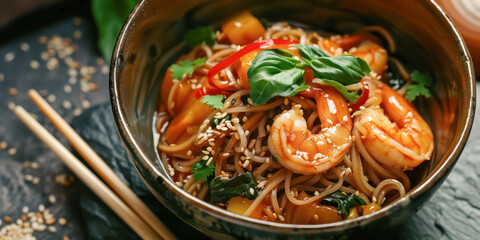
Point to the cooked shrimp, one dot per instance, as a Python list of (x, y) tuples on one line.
[(395, 134), (300, 151), (363, 45)]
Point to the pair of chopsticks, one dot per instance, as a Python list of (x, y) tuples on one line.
[(128, 206)]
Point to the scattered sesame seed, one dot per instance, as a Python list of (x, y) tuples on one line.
[(25, 209), (12, 91), (67, 104), (43, 39), (52, 199), (77, 34), (3, 145), (77, 112), (12, 151), (62, 221), (24, 47), (72, 80), (9, 56), (34, 64), (51, 98), (77, 20), (2, 77), (52, 229), (52, 64), (67, 89), (35, 180)]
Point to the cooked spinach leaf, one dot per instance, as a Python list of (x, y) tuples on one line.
[(243, 185), (343, 202)]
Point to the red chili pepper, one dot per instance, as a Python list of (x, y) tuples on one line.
[(200, 92), (362, 99), (234, 57)]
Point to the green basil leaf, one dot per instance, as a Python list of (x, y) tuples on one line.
[(109, 17), (350, 96), (343, 202), (198, 35), (243, 185), (275, 72), (346, 69), (310, 52)]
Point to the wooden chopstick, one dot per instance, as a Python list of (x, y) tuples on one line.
[(100, 167), (89, 178)]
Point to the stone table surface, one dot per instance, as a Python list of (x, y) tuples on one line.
[(452, 213)]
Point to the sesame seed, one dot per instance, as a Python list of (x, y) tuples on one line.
[(51, 98), (52, 229), (245, 118), (374, 199), (24, 47), (252, 191), (12, 91), (285, 101), (35, 180), (12, 151), (25, 209), (9, 56), (315, 216), (281, 218), (77, 34), (52, 199), (2, 77), (3, 145), (236, 120), (34, 64), (41, 208), (77, 112), (67, 104), (67, 89), (52, 64), (42, 39)]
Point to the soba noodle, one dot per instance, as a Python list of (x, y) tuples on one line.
[(239, 143)]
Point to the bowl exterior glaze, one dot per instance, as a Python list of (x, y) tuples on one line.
[(149, 43)]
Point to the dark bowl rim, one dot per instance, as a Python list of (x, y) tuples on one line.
[(436, 176)]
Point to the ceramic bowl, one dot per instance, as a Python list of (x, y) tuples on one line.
[(425, 38)]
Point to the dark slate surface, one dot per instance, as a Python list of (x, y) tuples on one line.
[(452, 213)]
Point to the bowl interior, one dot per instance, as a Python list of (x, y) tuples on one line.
[(425, 40)]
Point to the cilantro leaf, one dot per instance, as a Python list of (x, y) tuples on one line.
[(201, 171), (343, 202), (244, 185), (215, 101), (186, 68), (198, 35), (419, 86)]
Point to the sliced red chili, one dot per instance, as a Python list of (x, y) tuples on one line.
[(200, 92), (362, 99), (234, 57)]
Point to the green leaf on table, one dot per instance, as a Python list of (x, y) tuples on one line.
[(215, 101), (109, 17), (201, 171), (243, 185), (343, 202), (186, 68), (198, 35), (274, 72), (419, 86)]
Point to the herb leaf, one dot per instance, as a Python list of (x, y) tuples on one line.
[(350, 96), (346, 69), (109, 17), (241, 185), (419, 86), (274, 72), (198, 35), (215, 101), (310, 52), (186, 68), (343, 202), (201, 171)]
